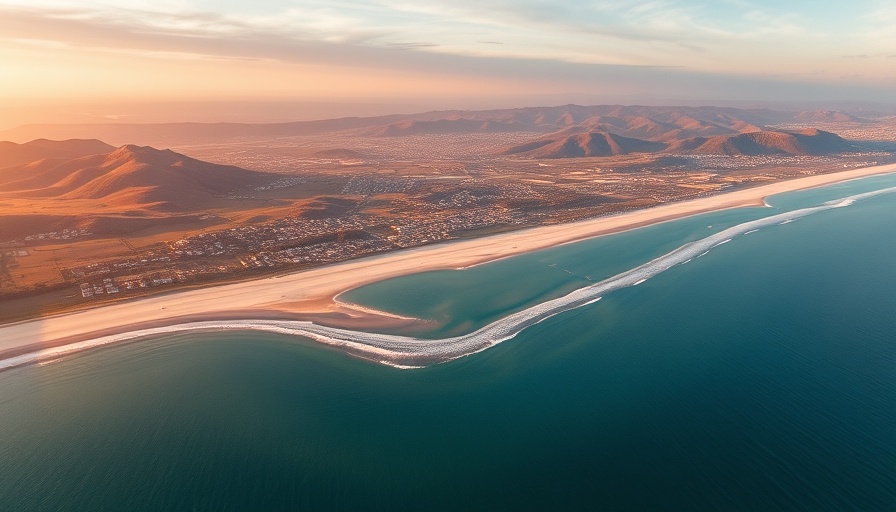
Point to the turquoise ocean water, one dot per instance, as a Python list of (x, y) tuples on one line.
[(761, 376)]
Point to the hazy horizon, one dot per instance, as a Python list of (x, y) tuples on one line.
[(262, 112), (237, 61)]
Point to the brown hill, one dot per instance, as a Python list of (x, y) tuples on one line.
[(826, 116), (665, 128), (570, 143), (585, 144), (130, 175), (650, 123), (41, 149), (805, 142)]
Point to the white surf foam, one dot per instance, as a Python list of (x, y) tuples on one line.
[(410, 352)]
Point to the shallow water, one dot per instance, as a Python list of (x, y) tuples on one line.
[(761, 376)]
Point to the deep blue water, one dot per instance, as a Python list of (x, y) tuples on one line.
[(761, 376)]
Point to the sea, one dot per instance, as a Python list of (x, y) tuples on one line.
[(758, 376)]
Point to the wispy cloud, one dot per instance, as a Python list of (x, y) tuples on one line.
[(882, 55), (880, 24), (216, 36), (626, 32), (648, 44)]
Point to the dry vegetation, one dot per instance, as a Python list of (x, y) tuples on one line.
[(311, 199)]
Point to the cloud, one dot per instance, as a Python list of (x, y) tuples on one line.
[(211, 35), (430, 40), (411, 46), (628, 32), (883, 55), (629, 21)]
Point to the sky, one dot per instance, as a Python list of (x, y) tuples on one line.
[(111, 60)]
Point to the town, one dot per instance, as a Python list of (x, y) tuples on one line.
[(379, 213)]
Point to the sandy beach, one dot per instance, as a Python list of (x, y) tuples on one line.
[(310, 294)]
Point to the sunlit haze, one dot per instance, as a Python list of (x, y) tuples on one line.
[(447, 255), (96, 59)]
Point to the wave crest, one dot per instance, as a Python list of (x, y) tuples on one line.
[(411, 352)]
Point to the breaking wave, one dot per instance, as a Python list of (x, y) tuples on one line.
[(411, 352)]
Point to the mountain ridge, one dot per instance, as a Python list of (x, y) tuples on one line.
[(763, 142), (137, 175), (723, 120), (12, 154)]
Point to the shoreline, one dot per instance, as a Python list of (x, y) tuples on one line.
[(312, 295)]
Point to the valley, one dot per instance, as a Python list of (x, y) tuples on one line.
[(83, 222)]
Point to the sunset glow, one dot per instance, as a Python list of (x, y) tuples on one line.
[(57, 52)]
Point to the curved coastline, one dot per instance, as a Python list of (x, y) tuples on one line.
[(410, 352)]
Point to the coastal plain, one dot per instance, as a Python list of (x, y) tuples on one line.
[(274, 221), (111, 216), (309, 295)]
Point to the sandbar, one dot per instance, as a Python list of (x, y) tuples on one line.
[(311, 294)]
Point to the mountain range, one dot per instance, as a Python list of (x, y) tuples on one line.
[(752, 143), (654, 123), (42, 149)]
